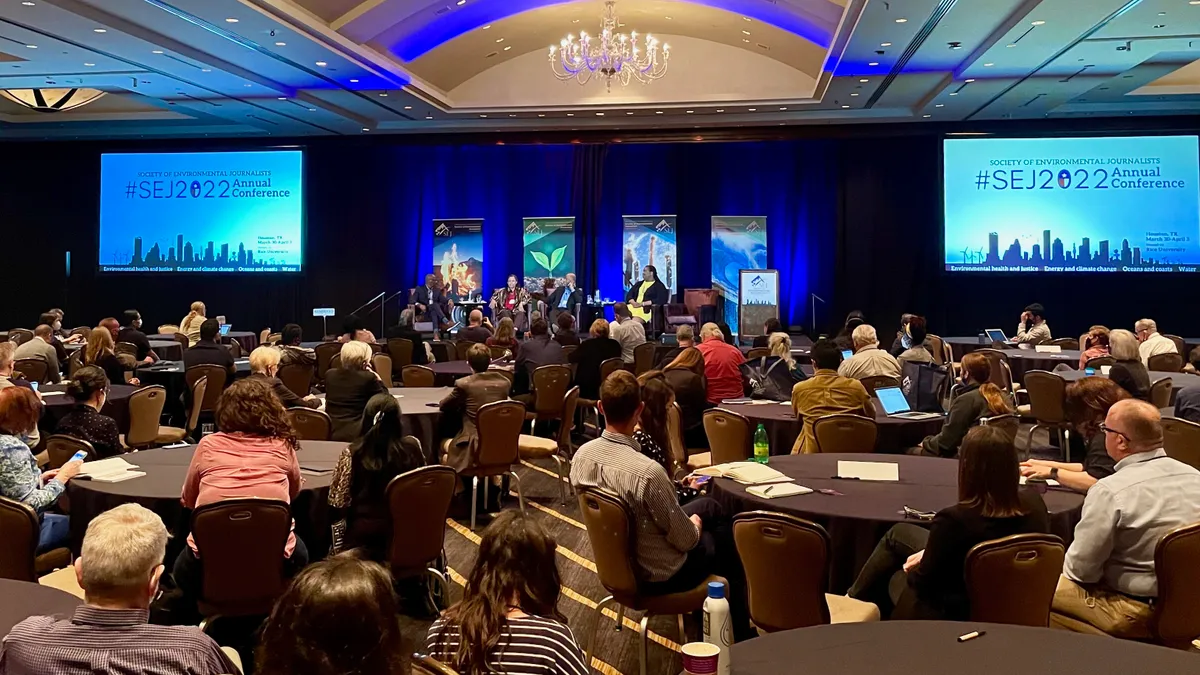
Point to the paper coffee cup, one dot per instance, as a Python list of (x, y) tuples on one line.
[(700, 658)]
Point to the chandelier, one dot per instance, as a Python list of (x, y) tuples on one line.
[(52, 100), (610, 55)]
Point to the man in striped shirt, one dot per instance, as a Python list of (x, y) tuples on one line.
[(119, 570)]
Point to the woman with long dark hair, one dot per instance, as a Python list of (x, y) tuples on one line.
[(1086, 405), (652, 432), (978, 398), (919, 572), (90, 391), (508, 619), (359, 489), (685, 376)]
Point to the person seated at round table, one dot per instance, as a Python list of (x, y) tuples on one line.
[(977, 398), (20, 478), (868, 359), (780, 345), (915, 573), (564, 330), (647, 294), (918, 352), (1095, 345), (511, 302), (903, 341), (190, 326), (348, 389), (1086, 405), (60, 352), (653, 434), (291, 352), (685, 376), (592, 352), (845, 337), (337, 616), (100, 352), (505, 335), (770, 327), (1128, 371), (364, 469), (354, 331), (89, 390), (264, 365), (476, 330), (469, 394)]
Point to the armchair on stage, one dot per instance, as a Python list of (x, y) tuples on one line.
[(422, 322), (699, 306)]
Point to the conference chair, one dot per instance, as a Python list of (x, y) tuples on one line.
[(419, 502), (612, 532), (170, 435), (263, 335), (681, 455), (549, 384), (937, 348), (530, 447), (845, 433), (1180, 344), (382, 365), (787, 562), (458, 349), (1176, 618), (182, 339), (311, 425), (274, 339), (500, 352), (1160, 393), (1047, 400), (427, 665), (21, 528), (643, 357), (1098, 362), (1166, 363), (417, 376), (730, 436), (297, 378), (757, 353), (325, 353), (234, 347), (242, 543), (878, 382), (74, 363), (126, 348), (216, 376), (34, 369), (85, 331), (1012, 580), (1010, 424), (607, 367), (60, 448), (20, 336), (1181, 440), (401, 351), (499, 425), (145, 419), (1065, 343), (335, 362), (1001, 371)]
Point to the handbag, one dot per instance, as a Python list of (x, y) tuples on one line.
[(761, 383), (922, 385)]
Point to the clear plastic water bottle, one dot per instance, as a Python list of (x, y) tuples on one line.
[(718, 629), (762, 449)]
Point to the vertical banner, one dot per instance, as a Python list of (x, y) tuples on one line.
[(758, 300), (649, 240), (458, 256), (738, 243), (549, 251)]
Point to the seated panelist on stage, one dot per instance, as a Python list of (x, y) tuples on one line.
[(511, 301), (431, 301), (564, 298), (1033, 329), (464, 401), (869, 360), (826, 393), (209, 351), (977, 398), (646, 294)]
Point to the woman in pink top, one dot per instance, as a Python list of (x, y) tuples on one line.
[(1095, 345), (253, 456)]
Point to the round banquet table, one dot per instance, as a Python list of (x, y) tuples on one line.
[(1178, 380), (857, 519), (783, 427), (171, 375), (932, 648), (58, 404), (160, 489), (420, 414), (167, 348), (23, 599), (245, 338), (446, 373)]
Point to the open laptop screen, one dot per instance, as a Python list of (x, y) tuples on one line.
[(996, 335), (226, 328), (892, 399), (846, 353)]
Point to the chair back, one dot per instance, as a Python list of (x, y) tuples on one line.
[(878, 382), (419, 501), (1066, 343), (568, 350), (145, 413), (1180, 344), (1160, 393), (1095, 363), (417, 376), (499, 352), (273, 339), (167, 329), (550, 385), (1176, 618), (325, 353), (234, 347), (643, 357), (215, 375), (20, 528), (1001, 373), (499, 425), (937, 348), (311, 425), (85, 331), (335, 362), (609, 526), (1010, 423), (297, 378), (567, 423), (610, 366), (845, 433), (1047, 396), (730, 436), (74, 363), (241, 541), (757, 353), (34, 369), (401, 351), (1166, 363), (427, 665), (1012, 580), (263, 335), (199, 390), (183, 341), (20, 336), (678, 447), (382, 364), (60, 448), (127, 348), (787, 569), (459, 353), (1181, 440)]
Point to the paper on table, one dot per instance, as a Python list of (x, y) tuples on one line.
[(53, 393), (118, 477), (869, 470), (1104, 369), (1048, 349)]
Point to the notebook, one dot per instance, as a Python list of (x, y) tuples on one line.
[(746, 473), (111, 470), (896, 405), (778, 490)]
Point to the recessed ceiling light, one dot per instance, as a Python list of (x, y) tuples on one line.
[(901, 20), (854, 93), (1037, 23), (690, 112), (429, 117), (365, 129), (510, 114), (745, 32), (720, 110), (873, 63), (954, 93), (99, 30), (629, 113), (312, 110), (462, 2), (508, 48), (1162, 13), (249, 85), (745, 40), (939, 105), (667, 18), (157, 51), (280, 44), (498, 41), (885, 44), (1010, 46), (864, 80), (570, 114), (1161, 25), (1194, 2), (31, 46), (926, 116), (89, 65), (483, 115), (753, 109), (206, 70), (27, 3), (282, 98), (321, 64), (599, 114), (746, 18), (487, 26), (988, 65), (577, 20), (354, 81), (969, 80), (658, 112), (783, 107), (409, 107), (383, 95), (231, 20), (845, 106)]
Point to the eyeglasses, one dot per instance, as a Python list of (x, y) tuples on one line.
[(1109, 430)]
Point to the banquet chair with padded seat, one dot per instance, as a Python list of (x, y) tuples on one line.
[(607, 367), (643, 357), (757, 353), (419, 502), (401, 351), (311, 425), (427, 665), (498, 449), (20, 336), (145, 419), (499, 352), (730, 437), (417, 376), (1010, 424), (182, 339), (459, 351), (325, 353), (34, 369), (168, 329), (242, 542), (1181, 440), (1011, 580), (530, 447), (1001, 371), (937, 349), (549, 385), (1166, 363), (216, 376), (127, 348), (297, 378), (20, 529), (263, 335), (1047, 406), (1175, 621), (273, 339), (1160, 392), (787, 562), (845, 433), (74, 363), (681, 455), (612, 531), (382, 365), (1180, 343), (335, 362), (1065, 343), (1099, 361), (171, 435), (878, 382), (85, 331), (60, 448)]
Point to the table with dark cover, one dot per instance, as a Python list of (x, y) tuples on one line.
[(160, 490), (57, 405), (932, 648), (245, 338), (171, 375), (895, 434), (1178, 380), (420, 414), (445, 374), (23, 599), (857, 519)]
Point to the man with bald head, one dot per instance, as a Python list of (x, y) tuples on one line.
[(1108, 580), (475, 332), (564, 298)]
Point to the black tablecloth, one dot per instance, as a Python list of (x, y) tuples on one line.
[(857, 519), (1178, 380), (167, 349), (160, 489), (895, 434), (22, 599), (446, 373), (171, 375), (932, 648), (420, 415), (58, 405)]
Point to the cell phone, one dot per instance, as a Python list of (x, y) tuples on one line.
[(33, 385), (700, 480), (919, 515), (78, 457), (1089, 371)]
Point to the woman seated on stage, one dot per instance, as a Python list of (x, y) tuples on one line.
[(89, 389), (1087, 403), (100, 352), (1095, 345), (506, 335), (645, 295), (512, 302), (349, 388), (978, 398), (916, 573)]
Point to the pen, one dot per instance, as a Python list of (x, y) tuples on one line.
[(972, 635), (843, 478), (768, 490)]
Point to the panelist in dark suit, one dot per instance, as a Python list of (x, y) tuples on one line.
[(432, 301), (404, 330), (647, 294), (564, 298)]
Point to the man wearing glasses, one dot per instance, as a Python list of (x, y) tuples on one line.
[(1108, 580)]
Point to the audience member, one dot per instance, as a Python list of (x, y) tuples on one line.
[(349, 388), (1187, 399), (627, 331), (59, 331), (826, 393), (722, 365), (264, 365), (920, 572), (112, 325), (7, 349), (474, 331), (651, 433), (40, 348), (564, 330), (291, 353), (338, 617), (209, 351), (89, 389), (727, 333), (646, 295), (190, 326), (505, 336), (1152, 343), (539, 350), (675, 548), (132, 333), (52, 321), (977, 398), (405, 330), (359, 488), (770, 327), (684, 338), (20, 478), (919, 351), (1086, 404), (780, 345), (564, 299), (903, 341), (119, 570), (511, 302), (1129, 371), (353, 330), (99, 352), (1108, 580), (845, 337), (464, 401), (253, 455), (869, 360), (1033, 329), (685, 376), (588, 357), (1095, 345), (508, 620)]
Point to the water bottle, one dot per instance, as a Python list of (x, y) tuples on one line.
[(762, 449), (597, 296), (718, 630)]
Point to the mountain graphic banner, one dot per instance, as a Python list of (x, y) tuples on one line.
[(458, 256), (649, 240), (758, 300), (549, 251), (738, 243)]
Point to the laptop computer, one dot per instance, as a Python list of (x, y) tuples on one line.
[(896, 405), (225, 328), (996, 335), (846, 353)]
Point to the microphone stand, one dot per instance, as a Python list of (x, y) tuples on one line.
[(368, 304), (814, 299)]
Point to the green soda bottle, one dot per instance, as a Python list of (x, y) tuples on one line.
[(762, 449)]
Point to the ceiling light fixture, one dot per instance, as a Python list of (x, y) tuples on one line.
[(429, 117), (873, 63), (1037, 23), (753, 109), (745, 40), (690, 112), (611, 55), (508, 48), (462, 2), (312, 110), (864, 80), (383, 95), (658, 112), (885, 44), (27, 3), (854, 93), (231, 20), (541, 115), (487, 26), (926, 116), (720, 110), (969, 80), (282, 98), (599, 114), (31, 46), (409, 107), (206, 70), (499, 40), (629, 113), (745, 32), (51, 100), (89, 65), (99, 30), (1010, 46), (954, 93), (365, 129), (988, 65), (157, 51), (280, 44), (901, 20), (746, 18), (483, 115), (783, 107), (939, 105), (570, 114), (321, 64), (845, 106), (512, 115), (353, 81)]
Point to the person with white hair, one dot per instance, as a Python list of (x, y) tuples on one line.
[(119, 570), (722, 365), (349, 388), (869, 360), (1152, 343), (1129, 371), (264, 364)]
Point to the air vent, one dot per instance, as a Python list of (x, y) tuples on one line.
[(491, 55), (441, 11), (762, 47)]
